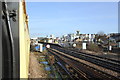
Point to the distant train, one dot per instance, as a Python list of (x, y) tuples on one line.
[(14, 40)]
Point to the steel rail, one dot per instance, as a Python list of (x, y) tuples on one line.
[(91, 68), (61, 57), (112, 60), (95, 60)]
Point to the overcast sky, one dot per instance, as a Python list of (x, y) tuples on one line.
[(61, 18)]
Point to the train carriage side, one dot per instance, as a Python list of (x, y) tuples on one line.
[(14, 40)]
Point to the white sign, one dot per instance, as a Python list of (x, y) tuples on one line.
[(83, 45), (74, 45), (119, 44), (110, 48), (47, 46), (41, 47)]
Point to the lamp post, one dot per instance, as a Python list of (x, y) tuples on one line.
[(108, 43)]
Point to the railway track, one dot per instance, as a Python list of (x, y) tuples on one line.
[(65, 61), (83, 70), (106, 58), (109, 64)]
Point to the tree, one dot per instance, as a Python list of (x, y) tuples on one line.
[(101, 33), (101, 36)]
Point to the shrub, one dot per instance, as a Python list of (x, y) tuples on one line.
[(79, 45), (32, 48), (93, 47)]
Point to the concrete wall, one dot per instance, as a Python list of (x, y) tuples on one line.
[(24, 41)]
